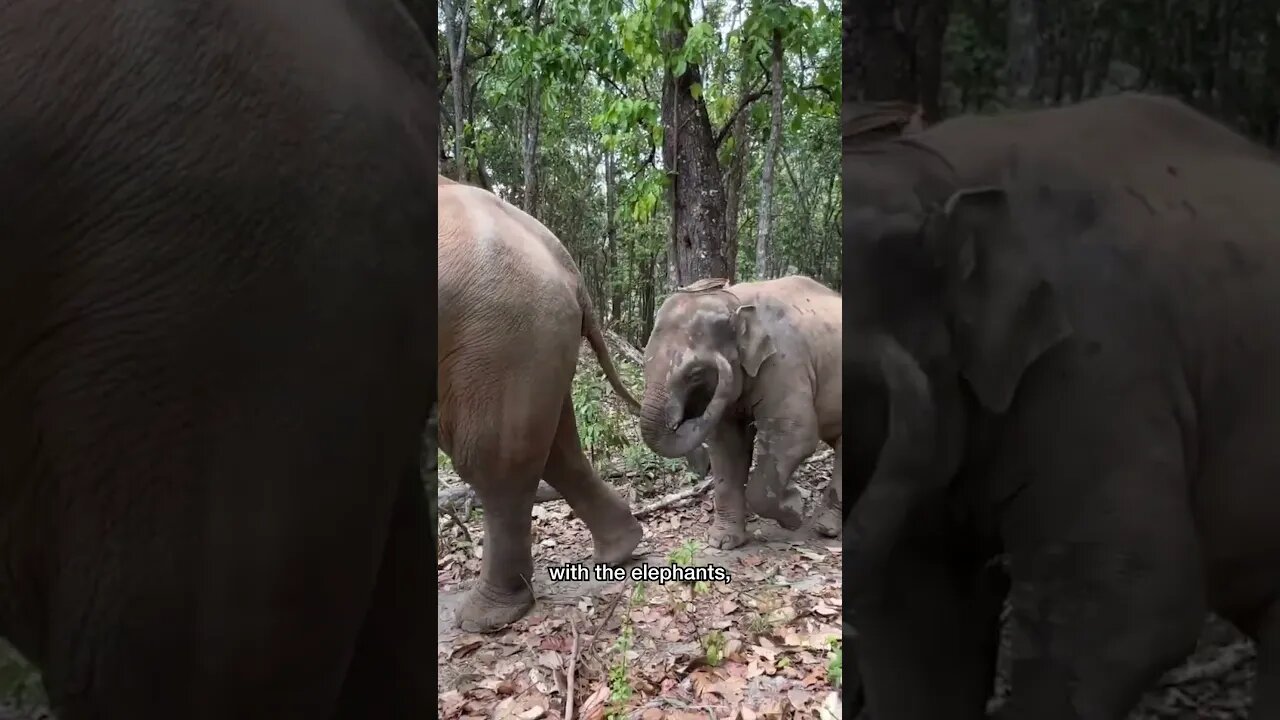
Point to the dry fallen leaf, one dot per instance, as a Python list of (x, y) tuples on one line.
[(594, 706), (830, 709)]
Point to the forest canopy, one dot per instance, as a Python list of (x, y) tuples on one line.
[(569, 110)]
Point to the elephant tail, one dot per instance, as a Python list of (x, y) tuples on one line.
[(591, 331)]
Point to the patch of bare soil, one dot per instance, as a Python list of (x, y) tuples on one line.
[(758, 646)]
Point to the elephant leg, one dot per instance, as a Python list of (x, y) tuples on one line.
[(503, 593), (389, 675), (615, 532), (830, 513), (928, 634), (1104, 599), (730, 462), (781, 445)]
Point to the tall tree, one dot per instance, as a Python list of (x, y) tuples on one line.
[(457, 15), (1023, 66), (689, 155), (531, 121), (765, 265)]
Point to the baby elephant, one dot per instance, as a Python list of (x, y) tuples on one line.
[(743, 367)]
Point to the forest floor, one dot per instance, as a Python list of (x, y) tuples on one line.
[(763, 645)]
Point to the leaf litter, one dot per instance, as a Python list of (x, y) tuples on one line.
[(763, 645)]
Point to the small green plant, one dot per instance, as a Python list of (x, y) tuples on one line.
[(835, 662), (599, 426), (713, 646), (620, 689), (684, 555)]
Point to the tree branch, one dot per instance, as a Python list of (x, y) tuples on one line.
[(742, 106)]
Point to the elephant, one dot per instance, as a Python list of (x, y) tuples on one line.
[(513, 312), (895, 182), (1065, 399), (217, 330), (752, 368)]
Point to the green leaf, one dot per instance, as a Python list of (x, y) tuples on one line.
[(696, 90)]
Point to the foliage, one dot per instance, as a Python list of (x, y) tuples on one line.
[(1221, 57), (597, 66), (20, 685)]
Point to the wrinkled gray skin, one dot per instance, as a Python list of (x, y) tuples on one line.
[(1077, 374), (892, 185), (216, 356), (513, 313), (751, 367)]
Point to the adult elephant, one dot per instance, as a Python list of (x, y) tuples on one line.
[(1074, 374), (216, 343), (894, 183), (513, 313)]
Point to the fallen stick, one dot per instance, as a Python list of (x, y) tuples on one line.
[(675, 498), (573, 666)]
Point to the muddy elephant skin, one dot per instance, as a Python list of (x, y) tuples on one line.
[(513, 313), (748, 368), (215, 343), (1066, 396)]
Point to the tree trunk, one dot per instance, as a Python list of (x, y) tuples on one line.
[(766, 264), (611, 237), (530, 124), (697, 183), (880, 52), (816, 257), (931, 28), (736, 172), (1023, 66), (647, 298), (456, 15)]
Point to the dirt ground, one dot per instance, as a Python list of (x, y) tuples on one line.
[(759, 646)]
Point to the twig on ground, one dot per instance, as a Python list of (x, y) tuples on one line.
[(461, 525), (573, 666), (675, 498)]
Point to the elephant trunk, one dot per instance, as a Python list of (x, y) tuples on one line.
[(905, 469), (678, 414)]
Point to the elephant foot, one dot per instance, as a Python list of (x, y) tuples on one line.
[(828, 522), (727, 535), (615, 546), (789, 513), (486, 610)]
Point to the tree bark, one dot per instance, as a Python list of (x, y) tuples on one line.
[(456, 18), (736, 172), (766, 264), (531, 123), (931, 27), (697, 183), (879, 51), (1023, 66), (611, 236)]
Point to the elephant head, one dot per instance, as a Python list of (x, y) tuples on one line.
[(949, 313), (705, 343)]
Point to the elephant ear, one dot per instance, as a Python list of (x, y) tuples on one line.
[(754, 344), (1006, 314)]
